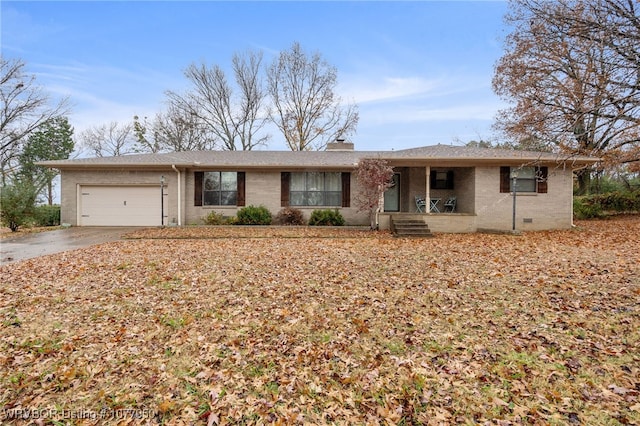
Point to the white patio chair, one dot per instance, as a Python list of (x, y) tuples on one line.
[(450, 205), (420, 204)]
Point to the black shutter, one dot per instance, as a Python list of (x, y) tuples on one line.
[(198, 179), (450, 179), (284, 188), (504, 179), (432, 179), (346, 189), (541, 176), (240, 201)]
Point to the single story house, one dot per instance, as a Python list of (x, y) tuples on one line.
[(467, 189)]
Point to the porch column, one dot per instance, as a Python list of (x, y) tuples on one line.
[(427, 197)]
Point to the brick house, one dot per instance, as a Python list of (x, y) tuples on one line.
[(181, 188)]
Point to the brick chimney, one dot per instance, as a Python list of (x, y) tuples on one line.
[(339, 145)]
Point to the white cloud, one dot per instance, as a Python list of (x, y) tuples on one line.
[(363, 90)]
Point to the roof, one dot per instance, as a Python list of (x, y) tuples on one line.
[(320, 159)]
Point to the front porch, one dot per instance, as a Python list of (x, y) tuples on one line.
[(434, 185)]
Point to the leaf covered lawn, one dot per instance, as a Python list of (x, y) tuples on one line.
[(250, 326)]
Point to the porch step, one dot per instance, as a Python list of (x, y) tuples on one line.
[(410, 228)]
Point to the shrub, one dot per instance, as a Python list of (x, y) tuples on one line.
[(252, 215), (585, 209), (47, 215), (593, 206), (215, 218), (326, 217), (289, 216), (18, 202)]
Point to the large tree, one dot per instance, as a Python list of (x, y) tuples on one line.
[(235, 114), (172, 131), (51, 141), (109, 140), (306, 109), (24, 106), (568, 79)]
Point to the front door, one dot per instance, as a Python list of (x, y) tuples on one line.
[(392, 195)]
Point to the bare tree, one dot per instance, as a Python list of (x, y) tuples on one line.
[(172, 131), (235, 118), (306, 109), (24, 107), (109, 140), (570, 88)]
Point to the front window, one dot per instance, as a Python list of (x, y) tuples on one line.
[(525, 179), (220, 189), (315, 189)]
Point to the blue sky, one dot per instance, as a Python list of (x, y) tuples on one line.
[(420, 72)]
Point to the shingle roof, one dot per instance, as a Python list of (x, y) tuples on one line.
[(320, 159)]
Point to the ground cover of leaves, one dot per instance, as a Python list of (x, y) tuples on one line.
[(253, 326)]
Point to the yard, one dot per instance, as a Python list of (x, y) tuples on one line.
[(316, 326)]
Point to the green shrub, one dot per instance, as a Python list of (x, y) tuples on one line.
[(47, 215), (585, 209), (592, 206), (289, 216), (252, 215), (327, 217), (18, 201), (215, 218)]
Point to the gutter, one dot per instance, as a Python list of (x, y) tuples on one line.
[(173, 166)]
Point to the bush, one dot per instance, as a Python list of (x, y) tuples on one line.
[(326, 217), (18, 203), (584, 209), (252, 215), (215, 218), (289, 216), (47, 215), (593, 206)]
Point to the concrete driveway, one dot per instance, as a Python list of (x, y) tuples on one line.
[(50, 242)]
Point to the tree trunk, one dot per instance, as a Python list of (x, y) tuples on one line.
[(584, 182)]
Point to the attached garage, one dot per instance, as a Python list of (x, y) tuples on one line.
[(133, 205)]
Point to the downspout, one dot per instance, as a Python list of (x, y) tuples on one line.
[(173, 166)]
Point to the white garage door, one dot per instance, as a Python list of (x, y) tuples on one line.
[(120, 206)]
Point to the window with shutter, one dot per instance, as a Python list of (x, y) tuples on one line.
[(217, 188), (316, 189), (529, 179)]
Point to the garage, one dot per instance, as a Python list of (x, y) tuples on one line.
[(132, 205)]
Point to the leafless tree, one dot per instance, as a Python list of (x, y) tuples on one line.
[(24, 107), (236, 118), (174, 130), (306, 109), (109, 140), (570, 86)]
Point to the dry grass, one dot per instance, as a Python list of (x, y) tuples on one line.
[(338, 327)]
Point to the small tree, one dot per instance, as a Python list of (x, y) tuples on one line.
[(374, 177), (18, 201)]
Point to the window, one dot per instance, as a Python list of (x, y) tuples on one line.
[(441, 179), (219, 188), (313, 189), (529, 179)]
